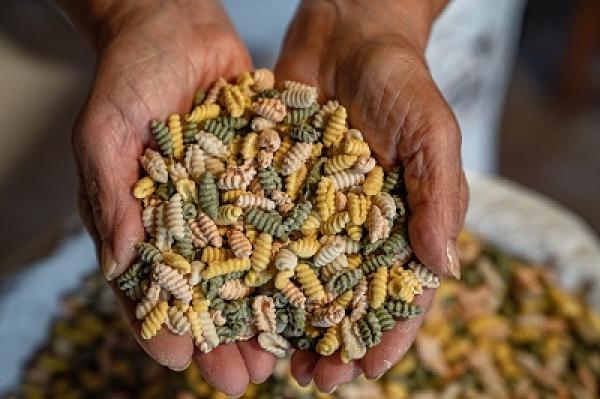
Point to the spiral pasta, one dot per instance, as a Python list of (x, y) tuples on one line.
[(270, 108), (266, 215), (154, 320), (378, 287), (154, 164), (310, 283), (202, 113), (221, 267), (262, 252), (295, 157), (174, 124), (335, 127)]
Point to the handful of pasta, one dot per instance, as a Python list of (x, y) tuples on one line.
[(267, 215)]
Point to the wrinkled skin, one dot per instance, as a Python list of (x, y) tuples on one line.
[(147, 71), (380, 75), (152, 57)]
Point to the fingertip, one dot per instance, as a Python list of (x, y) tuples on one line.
[(303, 365), (224, 369), (331, 372), (260, 364)]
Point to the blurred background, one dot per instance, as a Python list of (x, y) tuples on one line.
[(523, 78)]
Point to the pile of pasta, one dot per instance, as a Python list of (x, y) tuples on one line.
[(267, 215), (506, 330)]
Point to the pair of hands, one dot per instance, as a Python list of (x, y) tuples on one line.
[(152, 58)]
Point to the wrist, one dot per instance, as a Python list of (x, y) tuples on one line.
[(100, 21), (410, 19)]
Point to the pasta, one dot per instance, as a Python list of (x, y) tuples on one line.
[(266, 215), (335, 127), (162, 136), (176, 135), (154, 320), (154, 164), (270, 108), (310, 283)]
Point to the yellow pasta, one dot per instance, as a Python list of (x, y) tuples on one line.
[(234, 99), (344, 300), (202, 113), (335, 128), (339, 163), (357, 147), (310, 283), (378, 287), (358, 207), (177, 262), (249, 148), (305, 247), (374, 181), (325, 198), (336, 223), (294, 181), (311, 224), (330, 342), (262, 252), (211, 254), (174, 123), (154, 320), (220, 267), (143, 188), (231, 196)]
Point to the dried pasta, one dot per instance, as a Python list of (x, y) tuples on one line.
[(265, 214)]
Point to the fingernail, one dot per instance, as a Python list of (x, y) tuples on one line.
[(453, 265), (108, 263), (178, 369), (331, 390)]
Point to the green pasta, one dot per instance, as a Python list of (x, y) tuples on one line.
[(149, 253), (185, 246), (298, 116), (344, 280), (386, 320), (189, 133), (269, 179), (371, 264), (162, 136), (208, 196), (391, 180), (219, 130), (305, 133), (401, 309), (189, 211), (370, 330), (267, 222), (297, 216), (131, 277)]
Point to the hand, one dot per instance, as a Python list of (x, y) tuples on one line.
[(371, 59), (151, 60)]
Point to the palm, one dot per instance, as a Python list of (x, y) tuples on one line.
[(391, 98), (147, 73)]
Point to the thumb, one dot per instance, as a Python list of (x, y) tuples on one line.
[(106, 154)]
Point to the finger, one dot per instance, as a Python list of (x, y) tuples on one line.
[(303, 366), (168, 349), (259, 363), (395, 342), (224, 369), (102, 140), (330, 372)]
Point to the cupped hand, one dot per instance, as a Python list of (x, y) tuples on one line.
[(151, 60), (371, 59)]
